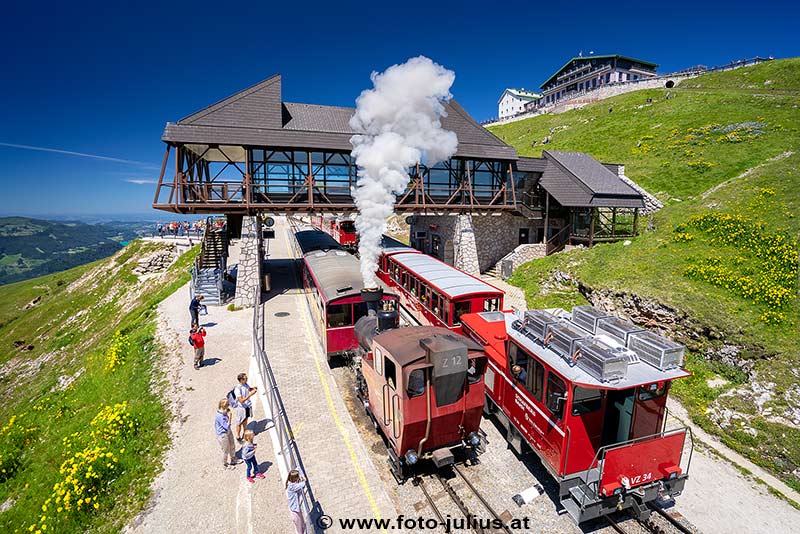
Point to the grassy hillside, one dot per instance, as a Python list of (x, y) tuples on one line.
[(35, 247), (81, 412), (723, 152)]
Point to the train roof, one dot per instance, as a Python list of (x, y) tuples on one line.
[(403, 344), (311, 239), (391, 246), (337, 273), (451, 281), (637, 374)]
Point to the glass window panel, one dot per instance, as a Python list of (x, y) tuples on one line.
[(300, 156), (585, 400), (556, 390), (340, 315), (257, 155), (279, 156), (318, 157), (416, 383)]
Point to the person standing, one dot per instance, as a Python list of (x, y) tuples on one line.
[(194, 308), (294, 491), (243, 393), (197, 338), (249, 456), (222, 428)]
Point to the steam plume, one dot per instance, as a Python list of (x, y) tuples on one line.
[(398, 126)]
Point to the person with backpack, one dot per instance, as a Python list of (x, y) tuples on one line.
[(243, 392), (222, 428), (197, 339)]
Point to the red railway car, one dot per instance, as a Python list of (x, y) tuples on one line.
[(342, 230), (587, 393), (433, 292), (423, 389), (332, 281)]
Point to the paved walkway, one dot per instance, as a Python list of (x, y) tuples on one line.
[(342, 476), (514, 296), (194, 493)]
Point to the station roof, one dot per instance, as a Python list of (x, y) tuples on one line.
[(576, 179), (451, 281), (257, 116)]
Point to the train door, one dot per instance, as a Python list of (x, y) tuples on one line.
[(619, 416), (648, 417)]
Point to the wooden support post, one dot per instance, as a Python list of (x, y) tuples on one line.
[(591, 226), (161, 174), (546, 215), (635, 221), (613, 221), (513, 187)]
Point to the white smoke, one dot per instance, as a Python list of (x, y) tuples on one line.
[(398, 126)]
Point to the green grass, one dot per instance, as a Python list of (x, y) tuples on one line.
[(654, 265), (71, 330)]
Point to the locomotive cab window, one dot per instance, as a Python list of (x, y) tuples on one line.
[(340, 315), (390, 372), (416, 383), (556, 396), (652, 391), (475, 370), (518, 363), (378, 361), (586, 400)]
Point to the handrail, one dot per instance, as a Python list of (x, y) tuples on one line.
[(280, 420), (557, 242)]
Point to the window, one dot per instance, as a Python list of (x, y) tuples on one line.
[(652, 391), (518, 363), (359, 311), (586, 400), (491, 304), (475, 370), (378, 361), (459, 309), (556, 396), (391, 372), (416, 383), (537, 381), (340, 315)]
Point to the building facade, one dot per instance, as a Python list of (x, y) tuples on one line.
[(584, 74), (514, 101)]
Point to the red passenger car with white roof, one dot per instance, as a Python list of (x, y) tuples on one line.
[(431, 291), (587, 392), (340, 229)]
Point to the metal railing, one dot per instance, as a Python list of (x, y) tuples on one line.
[(288, 449), (559, 241)]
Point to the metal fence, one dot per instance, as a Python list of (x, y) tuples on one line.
[(288, 451)]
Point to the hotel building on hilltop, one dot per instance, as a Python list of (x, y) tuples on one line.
[(585, 73), (514, 101)]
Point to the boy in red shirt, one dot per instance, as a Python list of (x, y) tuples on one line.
[(197, 340)]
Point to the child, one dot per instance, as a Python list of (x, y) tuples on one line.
[(295, 484), (249, 455)]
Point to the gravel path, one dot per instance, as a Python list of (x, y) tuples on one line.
[(194, 493)]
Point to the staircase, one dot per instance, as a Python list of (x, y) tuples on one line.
[(209, 266)]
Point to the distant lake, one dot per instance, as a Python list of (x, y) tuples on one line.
[(124, 243)]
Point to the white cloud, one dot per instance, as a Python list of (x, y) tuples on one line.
[(140, 181)]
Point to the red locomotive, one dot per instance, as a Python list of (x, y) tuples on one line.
[(423, 389), (587, 393), (433, 292), (342, 230), (332, 282)]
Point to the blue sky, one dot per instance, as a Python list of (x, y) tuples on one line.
[(102, 79)]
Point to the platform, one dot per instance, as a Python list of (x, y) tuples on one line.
[(345, 481)]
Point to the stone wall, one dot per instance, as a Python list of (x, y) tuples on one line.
[(473, 243), (522, 254), (156, 262), (651, 203), (248, 276)]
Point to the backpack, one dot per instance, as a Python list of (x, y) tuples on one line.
[(234, 403)]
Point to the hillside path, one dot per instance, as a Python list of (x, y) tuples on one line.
[(194, 493)]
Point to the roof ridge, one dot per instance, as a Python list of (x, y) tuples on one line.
[(461, 111), (231, 99), (319, 105)]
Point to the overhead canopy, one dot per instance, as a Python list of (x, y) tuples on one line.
[(257, 116), (576, 179)]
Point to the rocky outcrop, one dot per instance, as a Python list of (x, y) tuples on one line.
[(156, 262)]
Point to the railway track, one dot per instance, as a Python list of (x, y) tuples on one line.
[(659, 522), (476, 523)]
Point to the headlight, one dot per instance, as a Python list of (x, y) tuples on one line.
[(617, 491), (411, 457), (673, 475), (474, 439)]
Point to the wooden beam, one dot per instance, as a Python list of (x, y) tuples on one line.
[(161, 174)]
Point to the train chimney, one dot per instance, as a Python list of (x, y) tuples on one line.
[(372, 296)]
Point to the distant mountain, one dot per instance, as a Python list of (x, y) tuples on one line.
[(36, 247)]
